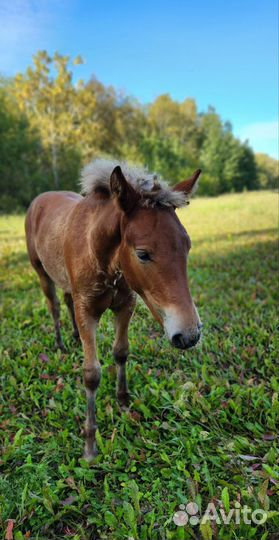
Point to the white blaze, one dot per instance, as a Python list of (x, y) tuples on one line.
[(175, 323)]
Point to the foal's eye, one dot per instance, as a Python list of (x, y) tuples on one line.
[(143, 256)]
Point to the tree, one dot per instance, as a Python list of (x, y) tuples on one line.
[(229, 165), (48, 98), (213, 152), (19, 145), (268, 171), (240, 168), (51, 126), (171, 140)]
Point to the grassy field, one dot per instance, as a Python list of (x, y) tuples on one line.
[(203, 425)]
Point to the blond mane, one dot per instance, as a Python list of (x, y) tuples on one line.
[(153, 190)]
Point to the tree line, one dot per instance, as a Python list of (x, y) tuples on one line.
[(50, 127)]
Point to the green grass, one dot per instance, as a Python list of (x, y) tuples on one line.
[(203, 425)]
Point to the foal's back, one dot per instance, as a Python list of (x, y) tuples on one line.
[(46, 225)]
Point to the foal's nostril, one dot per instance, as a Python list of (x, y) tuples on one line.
[(181, 342), (193, 341), (178, 341)]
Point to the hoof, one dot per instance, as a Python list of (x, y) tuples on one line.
[(90, 456), (62, 347), (76, 335), (124, 399)]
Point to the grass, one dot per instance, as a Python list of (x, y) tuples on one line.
[(203, 425)]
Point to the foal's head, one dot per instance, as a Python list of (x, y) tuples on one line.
[(153, 256)]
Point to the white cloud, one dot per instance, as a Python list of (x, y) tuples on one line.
[(262, 136)]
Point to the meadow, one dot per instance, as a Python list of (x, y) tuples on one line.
[(203, 424)]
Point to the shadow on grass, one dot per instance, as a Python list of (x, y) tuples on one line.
[(232, 235), (16, 272), (14, 259)]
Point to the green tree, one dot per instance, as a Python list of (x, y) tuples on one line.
[(161, 156), (50, 127), (213, 153), (228, 164), (171, 140), (19, 146), (240, 169), (46, 94), (268, 171)]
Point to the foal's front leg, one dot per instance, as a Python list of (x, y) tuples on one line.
[(121, 348), (87, 326)]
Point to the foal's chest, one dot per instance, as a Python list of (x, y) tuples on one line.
[(112, 286)]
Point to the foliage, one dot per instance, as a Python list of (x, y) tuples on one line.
[(51, 124), (50, 103), (203, 425), (267, 171), (19, 147)]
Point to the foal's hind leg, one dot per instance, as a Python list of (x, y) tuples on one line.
[(121, 348), (70, 304), (48, 288)]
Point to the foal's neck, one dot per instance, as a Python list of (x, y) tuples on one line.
[(105, 235)]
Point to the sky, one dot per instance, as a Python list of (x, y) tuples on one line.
[(223, 54)]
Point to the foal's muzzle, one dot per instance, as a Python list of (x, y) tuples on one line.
[(185, 342)]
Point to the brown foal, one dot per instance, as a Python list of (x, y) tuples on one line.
[(122, 238)]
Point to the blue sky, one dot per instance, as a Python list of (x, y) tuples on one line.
[(223, 54)]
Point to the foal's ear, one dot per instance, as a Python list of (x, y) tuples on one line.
[(126, 195), (190, 185)]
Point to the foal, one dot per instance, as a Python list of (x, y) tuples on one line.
[(122, 238)]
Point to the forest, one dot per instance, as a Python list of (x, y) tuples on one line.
[(51, 124)]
